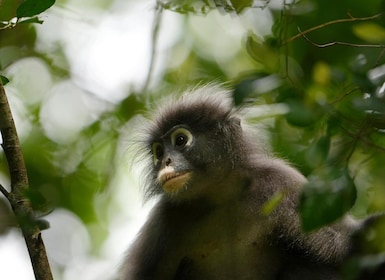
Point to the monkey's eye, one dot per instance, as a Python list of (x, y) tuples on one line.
[(180, 140), (157, 152), (181, 137)]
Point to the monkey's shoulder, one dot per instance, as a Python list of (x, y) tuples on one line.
[(272, 174)]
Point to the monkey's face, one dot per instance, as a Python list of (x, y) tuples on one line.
[(173, 169), (187, 162), (195, 143)]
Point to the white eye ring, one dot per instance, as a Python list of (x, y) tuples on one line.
[(181, 137)]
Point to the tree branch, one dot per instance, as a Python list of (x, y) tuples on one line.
[(340, 43), (19, 184), (350, 19)]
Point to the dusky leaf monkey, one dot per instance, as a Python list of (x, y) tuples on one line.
[(213, 180)]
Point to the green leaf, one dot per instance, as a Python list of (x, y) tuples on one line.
[(272, 203), (263, 52), (370, 32), (318, 151), (31, 8), (240, 5), (4, 80), (326, 198), (299, 115)]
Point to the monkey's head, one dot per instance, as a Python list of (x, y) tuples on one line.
[(193, 142)]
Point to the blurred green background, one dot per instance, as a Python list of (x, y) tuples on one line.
[(80, 81)]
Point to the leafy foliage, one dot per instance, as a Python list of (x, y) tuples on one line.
[(205, 6), (326, 198), (26, 12), (319, 72)]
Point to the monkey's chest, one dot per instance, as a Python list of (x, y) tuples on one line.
[(217, 248)]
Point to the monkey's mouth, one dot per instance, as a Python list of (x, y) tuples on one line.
[(172, 181)]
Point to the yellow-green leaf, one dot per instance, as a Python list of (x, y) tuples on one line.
[(272, 203), (370, 32)]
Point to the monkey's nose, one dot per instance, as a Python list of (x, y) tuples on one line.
[(168, 161)]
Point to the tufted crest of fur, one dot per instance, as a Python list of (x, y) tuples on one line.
[(202, 108)]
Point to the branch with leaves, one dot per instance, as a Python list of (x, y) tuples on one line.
[(27, 13), (29, 224)]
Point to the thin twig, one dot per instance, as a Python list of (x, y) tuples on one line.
[(4, 191), (340, 43), (154, 38), (358, 137), (377, 63), (350, 19), (344, 95)]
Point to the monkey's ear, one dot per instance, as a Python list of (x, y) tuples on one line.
[(235, 120)]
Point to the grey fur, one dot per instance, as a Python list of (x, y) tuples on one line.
[(214, 227)]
